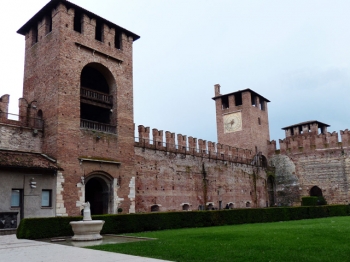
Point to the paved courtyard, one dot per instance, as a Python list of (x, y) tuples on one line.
[(13, 249)]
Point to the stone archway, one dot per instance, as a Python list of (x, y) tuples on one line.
[(97, 193), (316, 191)]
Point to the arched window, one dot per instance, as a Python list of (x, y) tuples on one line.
[(210, 206), (247, 204), (38, 120), (154, 208), (97, 85), (185, 207), (92, 78)]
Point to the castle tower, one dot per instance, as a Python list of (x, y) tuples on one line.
[(78, 67), (242, 120)]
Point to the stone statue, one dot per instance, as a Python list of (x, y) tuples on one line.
[(87, 212)]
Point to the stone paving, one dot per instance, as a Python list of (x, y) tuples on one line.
[(13, 249)]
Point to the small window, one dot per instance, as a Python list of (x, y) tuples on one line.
[(262, 104), (253, 100), (16, 196), (34, 35), (118, 40), (48, 24), (77, 21), (259, 120), (46, 198), (238, 99), (224, 102), (99, 31)]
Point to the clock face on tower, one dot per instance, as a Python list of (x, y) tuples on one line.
[(232, 122)]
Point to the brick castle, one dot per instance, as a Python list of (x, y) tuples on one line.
[(74, 137)]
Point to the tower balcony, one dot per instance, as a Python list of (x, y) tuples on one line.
[(92, 125), (96, 96)]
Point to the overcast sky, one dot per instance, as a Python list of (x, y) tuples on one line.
[(294, 53)]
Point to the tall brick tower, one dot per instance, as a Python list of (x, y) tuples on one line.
[(242, 120), (78, 67)]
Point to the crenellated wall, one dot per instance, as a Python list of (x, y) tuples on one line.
[(311, 142), (183, 171), (24, 134), (191, 146), (319, 159)]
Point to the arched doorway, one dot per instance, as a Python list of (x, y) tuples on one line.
[(271, 188), (316, 191), (97, 194)]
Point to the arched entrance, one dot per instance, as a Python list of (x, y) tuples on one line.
[(316, 191), (97, 194), (271, 188)]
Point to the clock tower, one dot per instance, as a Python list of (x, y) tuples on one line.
[(242, 120)]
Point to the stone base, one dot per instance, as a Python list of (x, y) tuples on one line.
[(87, 230)]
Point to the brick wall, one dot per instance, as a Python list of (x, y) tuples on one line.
[(172, 175)]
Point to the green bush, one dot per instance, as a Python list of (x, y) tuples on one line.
[(321, 201), (309, 201), (36, 228), (313, 201)]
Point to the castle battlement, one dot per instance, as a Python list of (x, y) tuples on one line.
[(29, 115), (76, 20), (310, 142), (191, 146)]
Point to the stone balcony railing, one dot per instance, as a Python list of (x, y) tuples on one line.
[(87, 124), (96, 96)]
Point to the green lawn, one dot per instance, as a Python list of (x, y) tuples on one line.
[(326, 239)]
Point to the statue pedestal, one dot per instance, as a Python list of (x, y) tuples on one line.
[(87, 230)]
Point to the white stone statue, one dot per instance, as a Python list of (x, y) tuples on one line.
[(87, 212)]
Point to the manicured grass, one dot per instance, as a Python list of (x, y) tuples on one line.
[(326, 239)]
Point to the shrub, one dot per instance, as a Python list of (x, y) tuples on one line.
[(309, 201), (36, 228), (321, 201)]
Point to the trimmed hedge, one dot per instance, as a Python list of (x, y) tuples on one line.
[(309, 201), (313, 201), (37, 228)]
